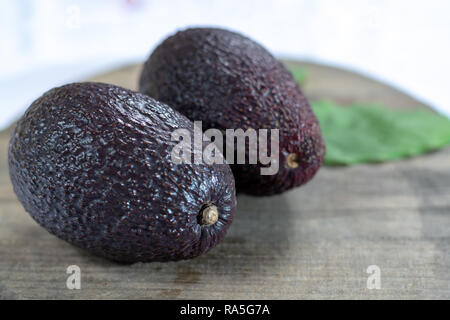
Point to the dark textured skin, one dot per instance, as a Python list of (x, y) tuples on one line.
[(91, 163), (228, 81)]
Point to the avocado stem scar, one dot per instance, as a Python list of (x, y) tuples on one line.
[(210, 215), (293, 160)]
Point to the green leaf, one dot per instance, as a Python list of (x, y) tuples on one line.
[(300, 74), (369, 133)]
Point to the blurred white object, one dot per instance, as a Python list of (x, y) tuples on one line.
[(49, 43)]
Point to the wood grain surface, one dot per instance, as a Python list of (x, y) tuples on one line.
[(315, 242)]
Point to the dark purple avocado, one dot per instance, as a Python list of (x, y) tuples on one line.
[(229, 82), (91, 163)]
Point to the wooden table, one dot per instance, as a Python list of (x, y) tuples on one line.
[(313, 242)]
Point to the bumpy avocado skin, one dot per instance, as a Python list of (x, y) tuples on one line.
[(228, 81), (91, 163)]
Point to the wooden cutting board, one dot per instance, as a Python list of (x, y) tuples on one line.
[(313, 242)]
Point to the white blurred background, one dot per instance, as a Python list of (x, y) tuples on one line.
[(44, 43)]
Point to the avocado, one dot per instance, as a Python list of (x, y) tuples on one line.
[(91, 163), (230, 82)]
